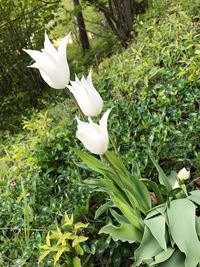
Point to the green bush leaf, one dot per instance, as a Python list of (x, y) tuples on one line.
[(77, 262)]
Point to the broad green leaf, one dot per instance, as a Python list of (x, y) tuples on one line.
[(119, 218), (92, 162), (124, 232), (77, 262), (132, 216), (172, 178), (157, 227), (160, 209), (176, 260), (163, 179), (195, 196), (116, 162), (198, 226), (102, 209), (163, 256), (148, 248), (153, 186), (138, 191), (181, 216)]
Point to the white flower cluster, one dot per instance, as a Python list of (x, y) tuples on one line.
[(53, 66)]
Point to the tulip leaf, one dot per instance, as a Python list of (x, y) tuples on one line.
[(163, 256), (154, 186), (137, 193), (176, 260), (117, 162), (157, 227), (119, 218), (148, 248), (195, 196), (181, 216), (102, 209), (92, 162), (132, 216), (124, 232), (163, 179)]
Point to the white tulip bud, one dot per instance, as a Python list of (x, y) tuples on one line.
[(87, 97), (52, 63), (93, 136), (183, 174)]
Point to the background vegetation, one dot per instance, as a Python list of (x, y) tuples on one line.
[(154, 83)]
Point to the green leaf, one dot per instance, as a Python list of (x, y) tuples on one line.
[(176, 260), (163, 256), (153, 186), (79, 249), (78, 240), (102, 209), (92, 162), (77, 262), (117, 162), (163, 179), (195, 196), (43, 255), (157, 227), (198, 226), (124, 232), (132, 216), (181, 216), (59, 253), (119, 218), (148, 248)]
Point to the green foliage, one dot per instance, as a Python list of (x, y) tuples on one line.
[(156, 102), (67, 242)]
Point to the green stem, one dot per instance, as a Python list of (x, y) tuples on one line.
[(75, 103)]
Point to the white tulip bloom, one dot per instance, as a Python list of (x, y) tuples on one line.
[(87, 97), (93, 136), (52, 63), (183, 174)]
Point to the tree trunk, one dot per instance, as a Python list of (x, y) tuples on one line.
[(83, 37), (120, 15)]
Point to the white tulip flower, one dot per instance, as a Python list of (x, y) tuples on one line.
[(183, 174), (93, 136), (87, 97), (52, 63)]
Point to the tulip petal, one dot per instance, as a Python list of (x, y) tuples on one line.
[(48, 47), (36, 55), (104, 120)]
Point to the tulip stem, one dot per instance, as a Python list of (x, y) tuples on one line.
[(113, 167), (75, 103)]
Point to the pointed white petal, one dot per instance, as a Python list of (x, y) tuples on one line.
[(36, 55), (48, 47)]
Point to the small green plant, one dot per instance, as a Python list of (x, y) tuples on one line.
[(65, 241)]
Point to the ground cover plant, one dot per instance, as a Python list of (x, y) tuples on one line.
[(155, 109)]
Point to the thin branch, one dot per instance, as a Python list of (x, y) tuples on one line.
[(29, 12)]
